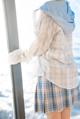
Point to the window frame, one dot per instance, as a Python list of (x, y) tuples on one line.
[(13, 43)]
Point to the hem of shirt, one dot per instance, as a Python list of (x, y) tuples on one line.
[(73, 87)]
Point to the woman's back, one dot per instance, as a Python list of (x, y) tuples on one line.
[(57, 61)]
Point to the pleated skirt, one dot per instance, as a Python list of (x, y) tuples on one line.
[(51, 98)]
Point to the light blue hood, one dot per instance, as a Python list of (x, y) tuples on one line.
[(61, 12)]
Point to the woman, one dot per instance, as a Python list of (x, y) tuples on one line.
[(57, 86)]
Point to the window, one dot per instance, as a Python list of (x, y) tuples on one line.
[(6, 96), (17, 80)]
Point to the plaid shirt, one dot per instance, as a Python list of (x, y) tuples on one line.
[(54, 50)]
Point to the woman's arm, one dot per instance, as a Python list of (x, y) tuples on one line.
[(45, 29), (17, 56)]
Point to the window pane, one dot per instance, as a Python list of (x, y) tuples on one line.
[(76, 50), (26, 36), (6, 97)]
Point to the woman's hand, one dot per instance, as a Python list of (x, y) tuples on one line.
[(17, 56)]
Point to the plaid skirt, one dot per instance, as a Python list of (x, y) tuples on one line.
[(51, 98)]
